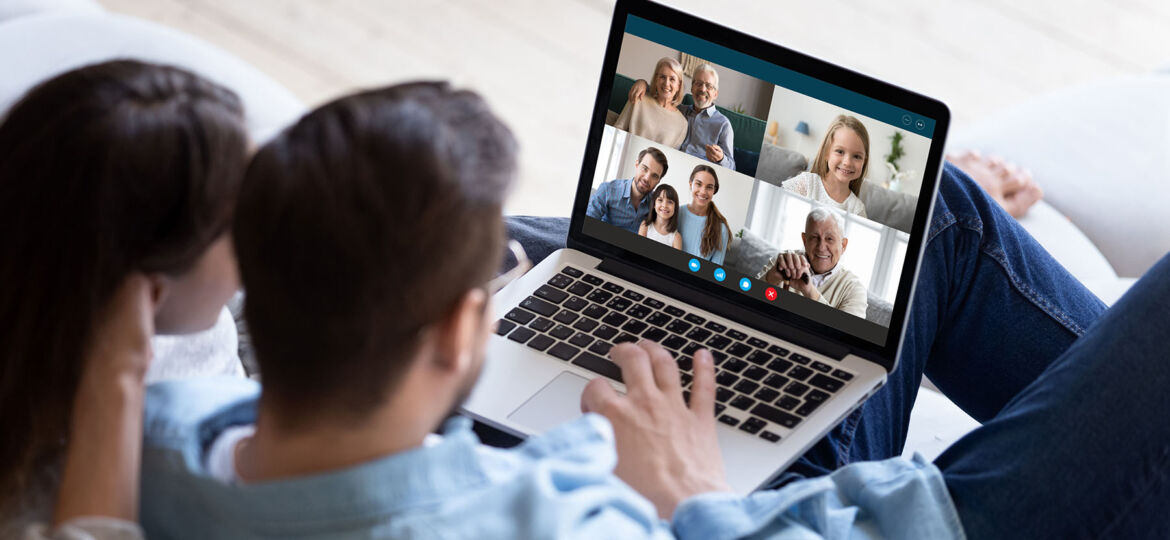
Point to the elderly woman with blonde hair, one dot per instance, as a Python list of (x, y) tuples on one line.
[(656, 116)]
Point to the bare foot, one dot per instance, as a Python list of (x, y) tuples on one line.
[(1010, 186)]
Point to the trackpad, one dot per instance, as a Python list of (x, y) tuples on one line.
[(558, 402)]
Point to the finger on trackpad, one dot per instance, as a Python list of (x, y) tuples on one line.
[(558, 402)]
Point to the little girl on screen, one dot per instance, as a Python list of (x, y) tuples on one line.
[(835, 177), (661, 224)]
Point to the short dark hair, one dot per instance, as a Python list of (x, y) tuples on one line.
[(358, 227), (657, 155), (105, 170)]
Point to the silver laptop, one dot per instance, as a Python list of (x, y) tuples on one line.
[(785, 134)]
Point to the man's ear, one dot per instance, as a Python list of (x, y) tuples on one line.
[(844, 244), (804, 239), (461, 335)]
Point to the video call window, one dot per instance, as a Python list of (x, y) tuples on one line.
[(797, 176)]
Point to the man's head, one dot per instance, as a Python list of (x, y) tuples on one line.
[(705, 86), (365, 234), (824, 239), (648, 171)]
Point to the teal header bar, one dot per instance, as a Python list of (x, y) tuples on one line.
[(787, 78)]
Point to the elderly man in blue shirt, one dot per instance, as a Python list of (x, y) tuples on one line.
[(625, 203), (709, 134), (379, 334)]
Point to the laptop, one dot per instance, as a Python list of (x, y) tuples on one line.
[(791, 362)]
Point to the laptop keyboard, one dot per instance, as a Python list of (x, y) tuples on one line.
[(762, 388)]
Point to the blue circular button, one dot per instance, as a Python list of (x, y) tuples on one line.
[(720, 275), (694, 265), (745, 284)]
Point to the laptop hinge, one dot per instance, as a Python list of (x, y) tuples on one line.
[(685, 293)]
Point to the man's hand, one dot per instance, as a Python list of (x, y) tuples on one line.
[(637, 90), (791, 268), (714, 153), (666, 449)]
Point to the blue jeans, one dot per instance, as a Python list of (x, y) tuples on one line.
[(1071, 396)]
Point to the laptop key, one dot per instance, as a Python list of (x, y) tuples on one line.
[(537, 305), (816, 395), (600, 348), (565, 316), (745, 386), (585, 324), (715, 327), (656, 304), (599, 296), (599, 365), (776, 416), (776, 381), (723, 394), (674, 342), (778, 350), (614, 319), (572, 271), (541, 342), (685, 363), (638, 311), (796, 388), (561, 332), (655, 334), (690, 348), (755, 373), (673, 311), (758, 358), (719, 356), (757, 343), (625, 338), (504, 326), (541, 324), (787, 402), (522, 334), (826, 383), (738, 350), (734, 365), (595, 311), (580, 288), (808, 407), (779, 366), (769, 436), (520, 316), (800, 358), (719, 408), (766, 394), (658, 319), (634, 327), (613, 288), (679, 326), (718, 342), (618, 303), (581, 340), (633, 295), (800, 373), (605, 332), (752, 425), (736, 334), (575, 303), (843, 375), (685, 379), (821, 367), (560, 281), (729, 420), (592, 279), (742, 403), (699, 334), (551, 294), (726, 378), (564, 351), (694, 319)]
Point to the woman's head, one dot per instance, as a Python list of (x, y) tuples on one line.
[(667, 82), (704, 186), (664, 204), (106, 170), (844, 153)]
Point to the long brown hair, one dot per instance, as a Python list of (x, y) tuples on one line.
[(104, 170), (672, 196), (712, 233), (820, 164)]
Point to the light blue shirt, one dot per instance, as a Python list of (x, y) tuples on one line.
[(691, 227), (559, 485), (708, 126), (611, 203)]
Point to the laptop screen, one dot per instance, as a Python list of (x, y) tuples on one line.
[(789, 191)]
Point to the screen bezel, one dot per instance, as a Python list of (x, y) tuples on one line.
[(884, 354)]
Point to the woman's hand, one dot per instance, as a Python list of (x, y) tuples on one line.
[(120, 344), (667, 449)]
